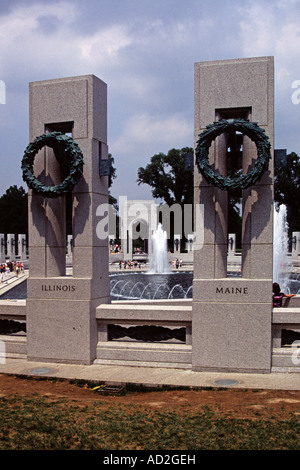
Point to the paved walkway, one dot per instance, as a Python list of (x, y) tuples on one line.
[(151, 376), (11, 280)]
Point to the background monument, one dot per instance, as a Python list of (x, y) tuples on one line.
[(232, 317), (61, 322)]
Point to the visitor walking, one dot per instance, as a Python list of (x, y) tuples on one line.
[(2, 271)]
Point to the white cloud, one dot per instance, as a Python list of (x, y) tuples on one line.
[(143, 136), (104, 45), (34, 39), (144, 131), (271, 28), (145, 52), (50, 45), (24, 20)]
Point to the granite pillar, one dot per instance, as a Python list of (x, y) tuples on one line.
[(22, 247), (61, 321), (11, 246), (232, 316), (2, 248), (295, 246)]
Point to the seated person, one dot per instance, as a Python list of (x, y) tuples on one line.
[(277, 295)]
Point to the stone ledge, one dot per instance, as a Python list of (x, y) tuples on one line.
[(144, 312), (144, 353), (162, 365), (282, 358), (13, 310), (286, 316), (143, 345), (14, 345)]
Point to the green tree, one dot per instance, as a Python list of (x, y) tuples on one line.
[(170, 182), (287, 189), (112, 177), (14, 211), (167, 177)]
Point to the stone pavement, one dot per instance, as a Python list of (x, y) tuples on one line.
[(11, 280), (152, 376)]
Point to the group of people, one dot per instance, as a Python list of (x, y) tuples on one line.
[(135, 264), (129, 264), (177, 263), (10, 267)]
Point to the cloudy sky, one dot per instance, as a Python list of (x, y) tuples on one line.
[(145, 51)]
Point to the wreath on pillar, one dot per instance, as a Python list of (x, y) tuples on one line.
[(254, 132), (67, 153)]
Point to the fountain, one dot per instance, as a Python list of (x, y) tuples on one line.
[(280, 249), (146, 286), (159, 262), (155, 284), (160, 283)]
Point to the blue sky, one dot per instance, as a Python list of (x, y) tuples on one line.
[(145, 51)]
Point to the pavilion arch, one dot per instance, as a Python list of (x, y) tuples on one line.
[(138, 220)]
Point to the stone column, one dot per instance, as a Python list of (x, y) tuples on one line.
[(231, 245), (126, 242), (2, 248), (190, 242), (295, 245), (177, 239), (111, 242), (61, 322), (22, 247), (232, 316), (69, 245), (11, 246)]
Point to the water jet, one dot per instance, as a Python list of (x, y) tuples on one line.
[(281, 261), (158, 262)]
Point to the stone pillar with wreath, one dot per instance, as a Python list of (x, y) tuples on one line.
[(232, 316), (61, 166)]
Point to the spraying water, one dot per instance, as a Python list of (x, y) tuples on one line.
[(159, 262), (280, 249)]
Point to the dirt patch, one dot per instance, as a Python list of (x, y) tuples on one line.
[(238, 403)]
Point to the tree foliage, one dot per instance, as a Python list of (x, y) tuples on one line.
[(112, 177), (14, 211), (167, 177), (14, 208), (287, 189)]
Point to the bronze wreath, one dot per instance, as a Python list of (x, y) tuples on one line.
[(254, 132), (68, 155)]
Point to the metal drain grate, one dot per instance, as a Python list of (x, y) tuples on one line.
[(40, 371), (226, 382), (109, 389)]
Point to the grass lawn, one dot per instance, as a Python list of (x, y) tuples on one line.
[(54, 423)]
